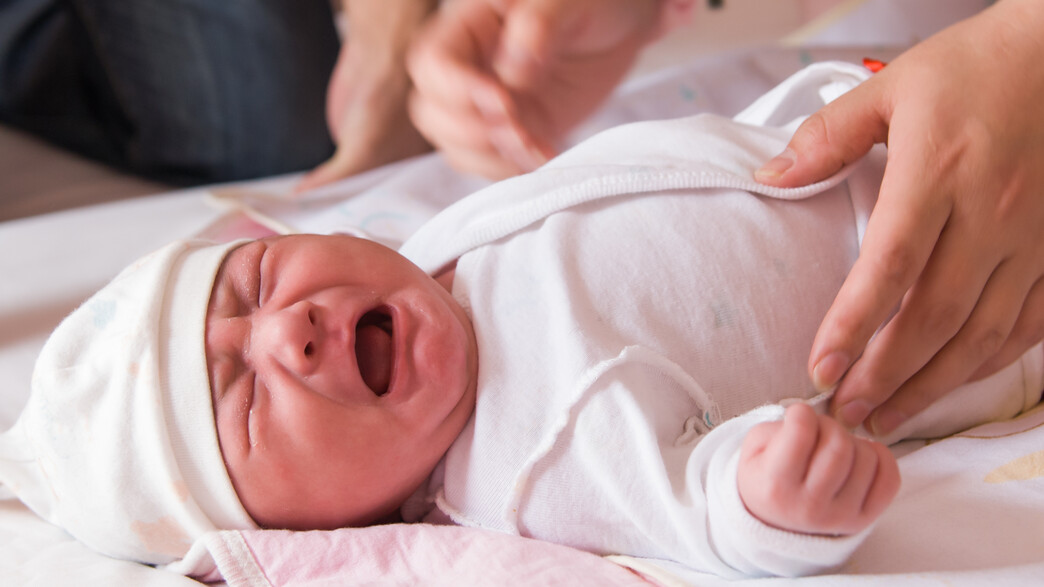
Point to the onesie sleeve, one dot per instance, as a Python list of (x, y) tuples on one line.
[(744, 542)]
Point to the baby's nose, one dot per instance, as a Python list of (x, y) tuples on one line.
[(290, 336)]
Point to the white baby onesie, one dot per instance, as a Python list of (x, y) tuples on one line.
[(635, 302)]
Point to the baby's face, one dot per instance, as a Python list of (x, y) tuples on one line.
[(340, 374)]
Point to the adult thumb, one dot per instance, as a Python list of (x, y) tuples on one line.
[(337, 167), (838, 134)]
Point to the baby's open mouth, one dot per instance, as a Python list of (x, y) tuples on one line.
[(374, 350)]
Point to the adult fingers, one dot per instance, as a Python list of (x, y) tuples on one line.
[(948, 287), (900, 237), (329, 171), (448, 63), (449, 126), (475, 130), (980, 337), (838, 134), (474, 145), (1027, 332), (461, 109), (484, 164)]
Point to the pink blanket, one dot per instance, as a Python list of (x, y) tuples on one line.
[(403, 554)]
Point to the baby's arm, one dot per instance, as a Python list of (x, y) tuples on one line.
[(809, 474)]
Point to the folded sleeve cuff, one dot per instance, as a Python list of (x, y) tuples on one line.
[(757, 549)]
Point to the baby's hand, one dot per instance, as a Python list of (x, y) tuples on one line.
[(809, 474)]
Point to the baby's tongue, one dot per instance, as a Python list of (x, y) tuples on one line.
[(373, 351)]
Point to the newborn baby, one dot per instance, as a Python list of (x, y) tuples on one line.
[(341, 374), (596, 354)]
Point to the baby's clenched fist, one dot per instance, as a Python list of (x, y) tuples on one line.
[(809, 474)]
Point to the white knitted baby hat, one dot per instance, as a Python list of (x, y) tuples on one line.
[(117, 444)]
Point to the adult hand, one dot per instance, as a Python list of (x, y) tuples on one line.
[(956, 240), (808, 474), (498, 83), (366, 99)]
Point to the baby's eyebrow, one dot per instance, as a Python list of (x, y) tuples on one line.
[(229, 273), (222, 283), (222, 293)]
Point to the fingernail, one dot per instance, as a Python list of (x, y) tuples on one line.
[(853, 413), (776, 167), (829, 370), (885, 421)]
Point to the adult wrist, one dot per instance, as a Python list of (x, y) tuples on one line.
[(383, 29)]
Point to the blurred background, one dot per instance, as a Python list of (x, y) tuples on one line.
[(36, 177)]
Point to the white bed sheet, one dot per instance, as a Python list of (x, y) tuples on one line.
[(51, 263)]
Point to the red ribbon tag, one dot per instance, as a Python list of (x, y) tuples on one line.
[(873, 65)]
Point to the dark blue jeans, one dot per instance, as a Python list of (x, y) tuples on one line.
[(182, 91)]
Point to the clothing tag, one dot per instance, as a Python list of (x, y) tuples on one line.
[(818, 403)]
